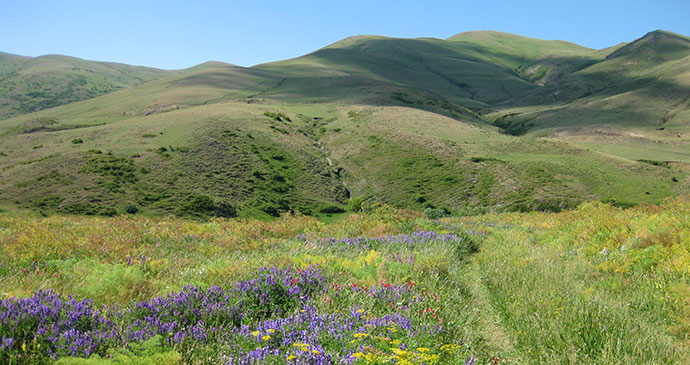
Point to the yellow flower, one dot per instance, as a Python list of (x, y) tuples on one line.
[(315, 352), (357, 354), (395, 342), (266, 338), (422, 349), (450, 347), (398, 351), (271, 331), (360, 335), (256, 333), (360, 310), (302, 346), (291, 357)]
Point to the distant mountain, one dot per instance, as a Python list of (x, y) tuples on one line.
[(31, 84), (481, 120)]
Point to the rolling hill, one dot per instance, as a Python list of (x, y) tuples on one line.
[(481, 120), (30, 84)]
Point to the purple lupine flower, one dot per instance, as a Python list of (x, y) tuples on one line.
[(69, 327)]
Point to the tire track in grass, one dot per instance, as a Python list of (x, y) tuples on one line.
[(485, 327), (499, 343)]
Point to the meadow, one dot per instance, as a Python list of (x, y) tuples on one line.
[(596, 284)]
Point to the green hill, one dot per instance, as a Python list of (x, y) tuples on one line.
[(482, 120), (31, 84)]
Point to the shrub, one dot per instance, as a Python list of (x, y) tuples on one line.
[(203, 205), (280, 117), (619, 203), (433, 213), (224, 210), (331, 209), (108, 212), (199, 204), (270, 210), (131, 209), (77, 141), (354, 204), (478, 159), (81, 208), (655, 163)]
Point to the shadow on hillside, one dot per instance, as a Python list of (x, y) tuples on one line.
[(384, 71)]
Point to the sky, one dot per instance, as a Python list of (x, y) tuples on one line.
[(179, 34)]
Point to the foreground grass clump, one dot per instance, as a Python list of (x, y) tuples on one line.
[(597, 284)]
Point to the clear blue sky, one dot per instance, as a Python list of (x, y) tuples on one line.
[(177, 34)]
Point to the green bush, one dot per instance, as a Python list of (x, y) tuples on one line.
[(477, 159), (433, 213), (270, 210), (354, 205), (108, 212), (225, 210), (655, 163), (131, 209), (203, 205), (332, 209), (280, 117), (199, 204), (80, 208), (77, 141)]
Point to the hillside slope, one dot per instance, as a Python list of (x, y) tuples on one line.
[(30, 84), (483, 120), (452, 75), (644, 84)]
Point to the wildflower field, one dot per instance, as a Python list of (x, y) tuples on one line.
[(597, 284)]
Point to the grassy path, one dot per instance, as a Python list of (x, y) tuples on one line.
[(488, 321), (536, 304)]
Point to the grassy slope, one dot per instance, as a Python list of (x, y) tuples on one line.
[(229, 151), (427, 140), (31, 84)]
